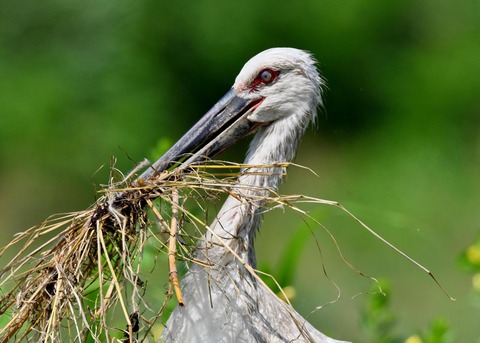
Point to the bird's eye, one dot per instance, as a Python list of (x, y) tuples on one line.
[(264, 77), (267, 76)]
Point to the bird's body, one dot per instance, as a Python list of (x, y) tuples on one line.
[(225, 302)]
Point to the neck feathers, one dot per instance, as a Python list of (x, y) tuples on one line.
[(240, 215)]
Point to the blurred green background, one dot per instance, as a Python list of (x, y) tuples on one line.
[(398, 143)]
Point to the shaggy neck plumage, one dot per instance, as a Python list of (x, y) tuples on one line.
[(240, 215)]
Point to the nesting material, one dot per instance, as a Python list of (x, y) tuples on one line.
[(78, 275)]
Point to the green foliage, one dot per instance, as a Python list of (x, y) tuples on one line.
[(378, 320), (437, 332)]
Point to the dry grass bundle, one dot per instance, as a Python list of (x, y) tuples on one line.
[(64, 288), (73, 273)]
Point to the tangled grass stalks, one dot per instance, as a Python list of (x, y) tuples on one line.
[(73, 274), (63, 289)]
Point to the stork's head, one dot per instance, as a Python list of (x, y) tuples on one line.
[(285, 81), (275, 84)]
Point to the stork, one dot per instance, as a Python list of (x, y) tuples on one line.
[(276, 94)]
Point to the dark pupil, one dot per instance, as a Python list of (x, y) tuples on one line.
[(266, 75)]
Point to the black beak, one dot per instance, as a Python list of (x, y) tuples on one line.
[(224, 125)]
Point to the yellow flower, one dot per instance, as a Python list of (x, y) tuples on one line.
[(473, 254), (289, 293), (414, 339)]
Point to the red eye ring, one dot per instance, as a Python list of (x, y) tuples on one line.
[(266, 76)]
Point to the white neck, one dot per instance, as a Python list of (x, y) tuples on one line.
[(240, 215)]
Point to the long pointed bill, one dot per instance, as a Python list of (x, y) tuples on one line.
[(224, 125)]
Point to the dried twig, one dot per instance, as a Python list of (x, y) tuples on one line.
[(172, 249)]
